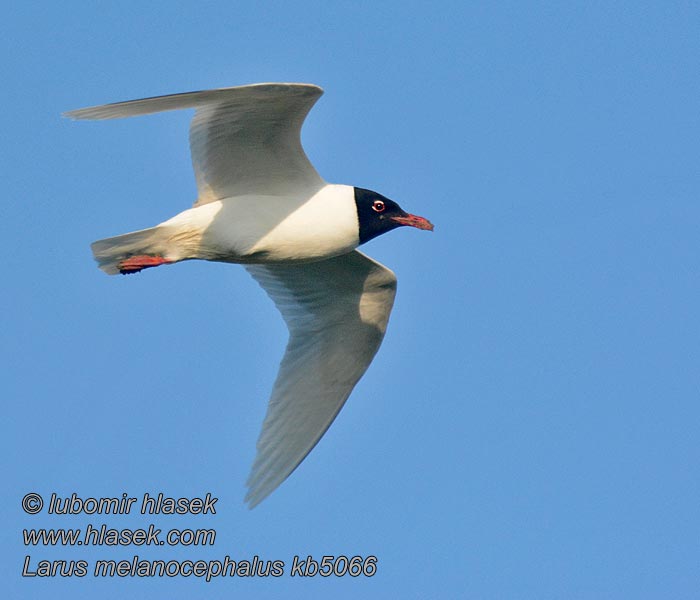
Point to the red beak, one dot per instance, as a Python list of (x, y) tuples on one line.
[(414, 221)]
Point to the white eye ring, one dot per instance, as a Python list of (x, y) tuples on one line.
[(378, 206)]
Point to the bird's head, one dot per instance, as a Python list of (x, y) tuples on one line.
[(377, 214)]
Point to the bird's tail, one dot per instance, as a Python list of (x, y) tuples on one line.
[(132, 252)]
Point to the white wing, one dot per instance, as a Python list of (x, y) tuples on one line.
[(336, 311), (244, 140)]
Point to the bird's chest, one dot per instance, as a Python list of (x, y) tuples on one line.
[(280, 230)]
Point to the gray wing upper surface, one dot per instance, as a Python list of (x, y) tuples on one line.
[(337, 312), (244, 140)]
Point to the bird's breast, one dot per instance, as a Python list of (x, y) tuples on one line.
[(252, 229)]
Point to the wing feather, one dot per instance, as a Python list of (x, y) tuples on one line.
[(244, 140), (337, 312)]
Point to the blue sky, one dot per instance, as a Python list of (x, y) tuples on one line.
[(529, 428)]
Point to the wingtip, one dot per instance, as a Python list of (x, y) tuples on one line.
[(250, 504), (252, 499), (84, 114)]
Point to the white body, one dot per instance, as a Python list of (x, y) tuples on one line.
[(278, 229)]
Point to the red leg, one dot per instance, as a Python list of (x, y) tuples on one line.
[(134, 264)]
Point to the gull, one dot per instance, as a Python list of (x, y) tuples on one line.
[(262, 204)]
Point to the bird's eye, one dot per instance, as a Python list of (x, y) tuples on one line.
[(378, 206)]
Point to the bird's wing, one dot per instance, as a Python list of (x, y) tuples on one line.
[(244, 140), (337, 312)]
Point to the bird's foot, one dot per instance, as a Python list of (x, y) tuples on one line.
[(134, 264)]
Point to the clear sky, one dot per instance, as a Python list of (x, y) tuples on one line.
[(529, 428)]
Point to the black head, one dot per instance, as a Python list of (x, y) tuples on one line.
[(377, 214)]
